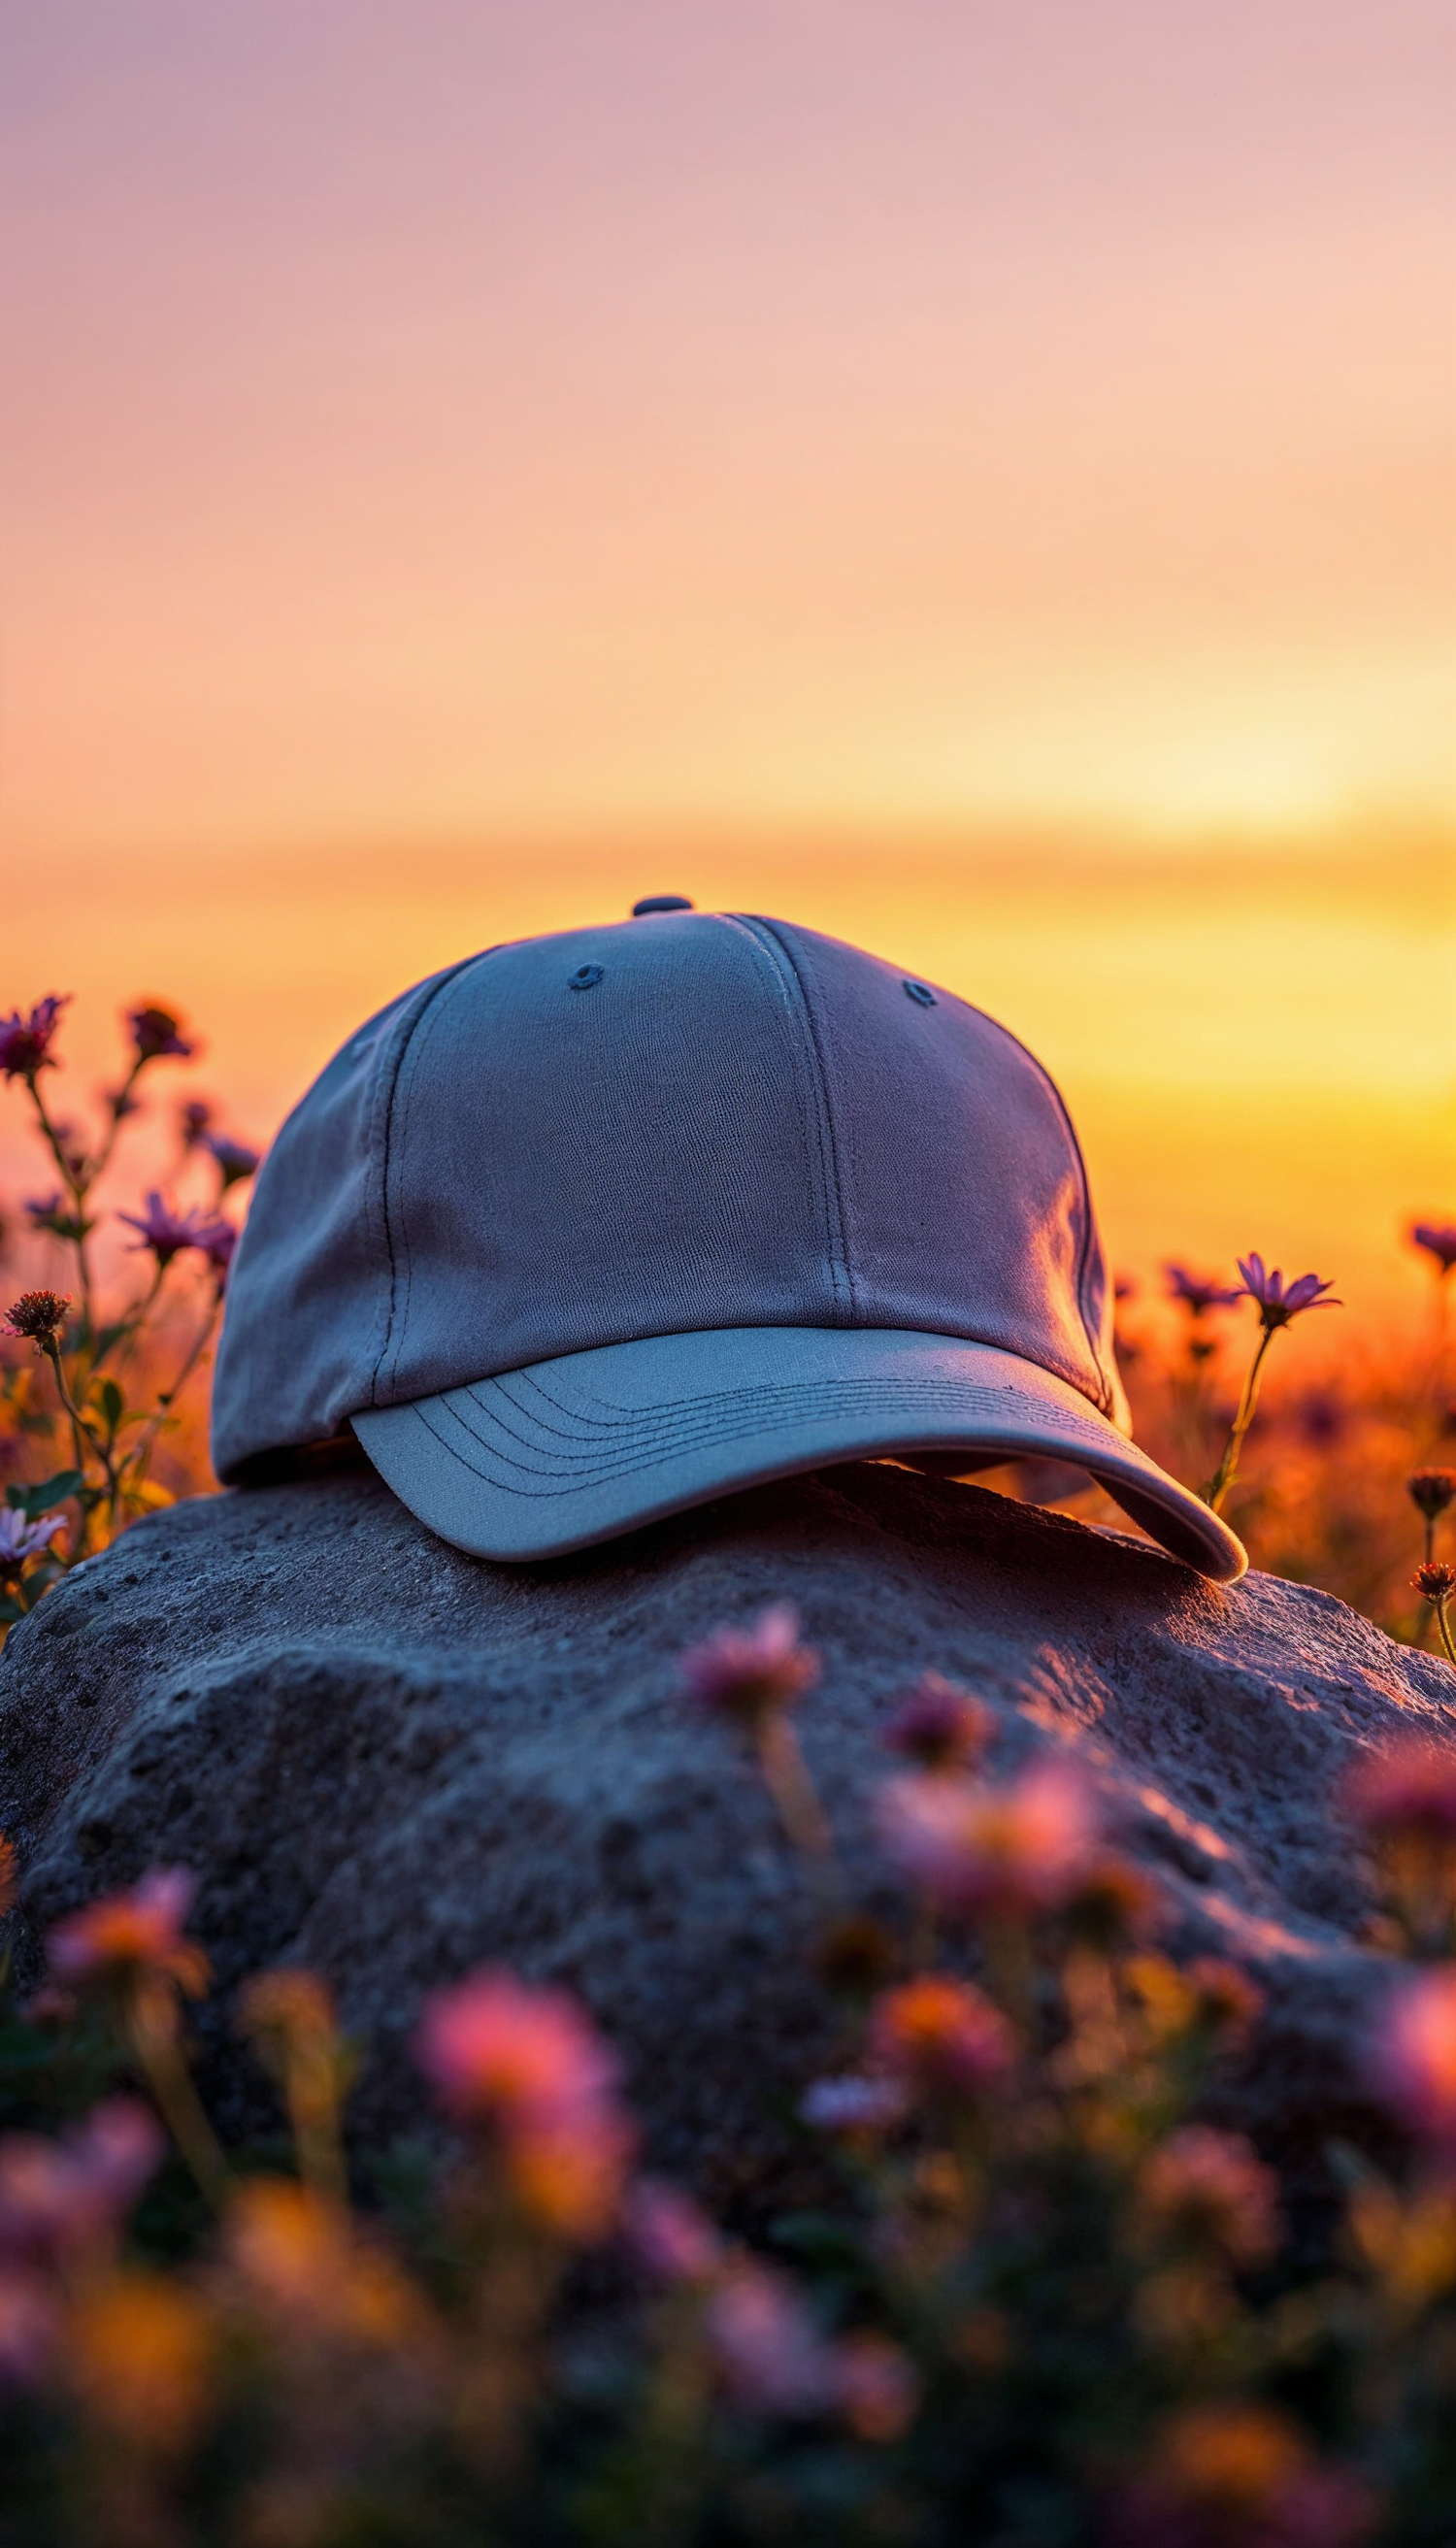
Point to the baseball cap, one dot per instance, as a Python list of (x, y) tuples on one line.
[(595, 1226)]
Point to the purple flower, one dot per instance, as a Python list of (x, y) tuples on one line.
[(1439, 1238), (194, 1118), (1197, 1293), (672, 2239), (217, 1242), (20, 1539), (234, 1158), (940, 1726), (25, 1041), (770, 2356), (1277, 1306), (166, 1231), (157, 1034), (59, 2195), (852, 2104)]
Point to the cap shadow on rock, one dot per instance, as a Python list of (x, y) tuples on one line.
[(392, 1762)]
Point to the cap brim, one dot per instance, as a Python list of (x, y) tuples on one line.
[(537, 1462)]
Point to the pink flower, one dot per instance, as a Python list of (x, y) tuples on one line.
[(25, 1041), (941, 2037), (166, 1231), (1210, 2189), (1197, 1293), (996, 1851), (234, 1159), (940, 1726), (876, 2387), (852, 2104), (1408, 1790), (56, 2196), (20, 1539), (495, 2045), (528, 2064), (770, 2356), (30, 2323), (1437, 1239), (1277, 1306), (671, 2237), (157, 1034), (1415, 2055), (136, 1932), (746, 1673)]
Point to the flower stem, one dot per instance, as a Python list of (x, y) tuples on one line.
[(149, 2033), (1444, 1626), (787, 1780), (1228, 1468)]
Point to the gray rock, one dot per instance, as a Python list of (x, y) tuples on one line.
[(392, 1762)]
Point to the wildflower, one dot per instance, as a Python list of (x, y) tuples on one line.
[(218, 1243), (997, 1851), (194, 1120), (51, 1213), (156, 1035), (1225, 2002), (1211, 2190), (235, 1161), (1113, 1903), (1430, 1490), (25, 1041), (1240, 2471), (769, 2356), (750, 1675), (296, 2253), (138, 2356), (1277, 1306), (1197, 1293), (527, 2064), (61, 2196), (852, 2104), (940, 1726), (120, 1102), (166, 1231), (940, 2036), (38, 1315), (876, 2388), (1437, 1239), (21, 1540), (1437, 1582), (290, 2017), (671, 2237), (1408, 1792), (136, 1932), (29, 2322), (1414, 2058)]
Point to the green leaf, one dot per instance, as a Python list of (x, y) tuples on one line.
[(35, 1500), (15, 1496), (112, 1403)]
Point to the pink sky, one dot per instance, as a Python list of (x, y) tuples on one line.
[(418, 416)]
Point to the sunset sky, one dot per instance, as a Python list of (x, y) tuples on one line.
[(977, 475)]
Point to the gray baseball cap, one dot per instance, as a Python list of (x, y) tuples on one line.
[(591, 1227)]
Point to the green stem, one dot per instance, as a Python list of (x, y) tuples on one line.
[(1444, 1625), (155, 2050), (1228, 1468)]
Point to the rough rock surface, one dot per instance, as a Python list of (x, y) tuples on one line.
[(391, 1762)]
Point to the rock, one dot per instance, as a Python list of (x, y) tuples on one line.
[(392, 1762)]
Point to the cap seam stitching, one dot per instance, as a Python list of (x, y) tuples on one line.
[(390, 1094), (840, 1272)]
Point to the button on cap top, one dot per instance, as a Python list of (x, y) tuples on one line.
[(660, 902)]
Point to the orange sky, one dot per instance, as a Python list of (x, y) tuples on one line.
[(925, 468)]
